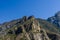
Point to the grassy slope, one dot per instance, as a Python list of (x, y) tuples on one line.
[(48, 26)]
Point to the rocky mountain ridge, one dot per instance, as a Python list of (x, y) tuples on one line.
[(29, 28), (55, 19)]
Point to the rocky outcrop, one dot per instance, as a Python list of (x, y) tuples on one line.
[(29, 28), (33, 32)]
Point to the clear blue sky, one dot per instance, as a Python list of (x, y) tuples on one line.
[(14, 9)]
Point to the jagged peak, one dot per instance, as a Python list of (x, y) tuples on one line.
[(27, 18), (30, 17)]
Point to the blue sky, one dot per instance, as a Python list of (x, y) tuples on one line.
[(14, 9)]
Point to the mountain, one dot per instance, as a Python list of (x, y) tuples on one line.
[(29, 28), (55, 19)]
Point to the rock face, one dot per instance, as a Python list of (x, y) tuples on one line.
[(55, 19), (32, 31), (28, 28)]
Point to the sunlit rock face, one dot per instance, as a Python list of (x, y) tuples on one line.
[(55, 19), (33, 31)]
